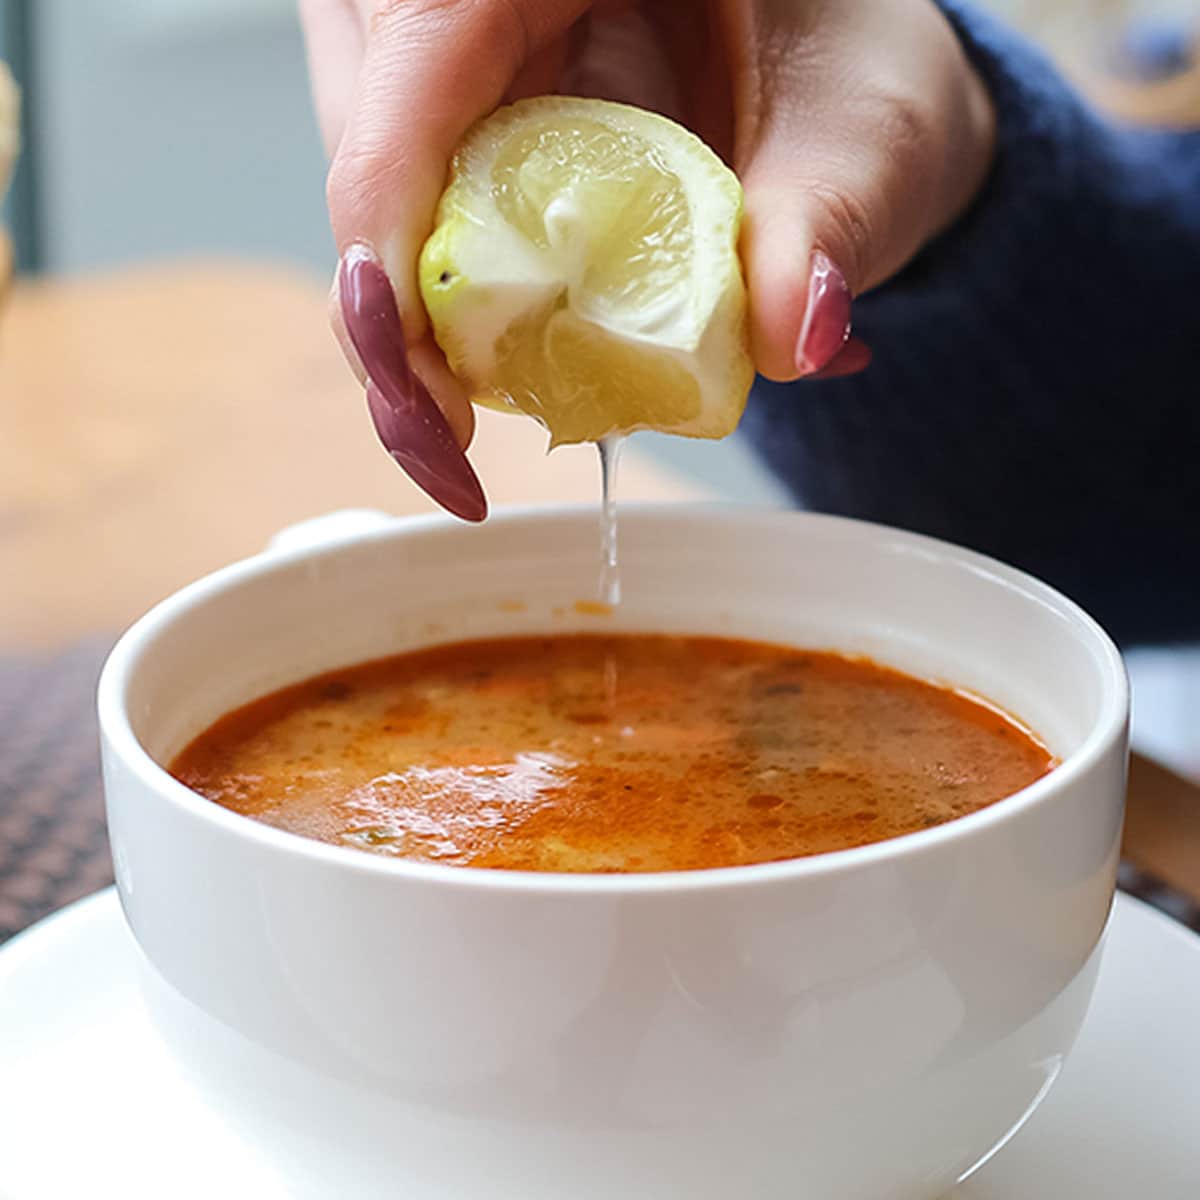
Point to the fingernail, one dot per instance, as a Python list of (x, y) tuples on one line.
[(826, 317), (411, 426), (853, 357)]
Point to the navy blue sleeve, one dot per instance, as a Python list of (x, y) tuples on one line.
[(1035, 392)]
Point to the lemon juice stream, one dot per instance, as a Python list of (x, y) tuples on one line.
[(609, 450)]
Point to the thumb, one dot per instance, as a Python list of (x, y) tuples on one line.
[(807, 247), (853, 151)]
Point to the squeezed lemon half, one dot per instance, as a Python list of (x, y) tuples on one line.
[(584, 271)]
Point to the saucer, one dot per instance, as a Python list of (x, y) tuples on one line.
[(91, 1103)]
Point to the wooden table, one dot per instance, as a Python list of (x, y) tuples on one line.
[(156, 424)]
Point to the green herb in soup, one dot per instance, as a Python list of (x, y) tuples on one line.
[(611, 753)]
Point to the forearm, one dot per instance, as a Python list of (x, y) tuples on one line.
[(1034, 391)]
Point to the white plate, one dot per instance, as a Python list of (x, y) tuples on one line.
[(91, 1105)]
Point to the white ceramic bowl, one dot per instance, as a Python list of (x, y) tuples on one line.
[(865, 1025)]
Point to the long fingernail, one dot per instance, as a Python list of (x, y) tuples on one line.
[(411, 426), (853, 357), (826, 317)]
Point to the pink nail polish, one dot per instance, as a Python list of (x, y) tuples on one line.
[(853, 357), (409, 423), (826, 323)]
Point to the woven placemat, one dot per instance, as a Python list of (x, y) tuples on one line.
[(53, 844)]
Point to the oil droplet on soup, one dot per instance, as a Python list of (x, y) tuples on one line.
[(611, 753)]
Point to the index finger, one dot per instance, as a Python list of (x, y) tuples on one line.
[(431, 68)]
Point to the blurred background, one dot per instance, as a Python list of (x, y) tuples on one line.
[(164, 128), (168, 391)]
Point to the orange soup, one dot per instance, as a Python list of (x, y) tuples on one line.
[(611, 754)]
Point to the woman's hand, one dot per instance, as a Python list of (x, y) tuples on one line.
[(857, 127)]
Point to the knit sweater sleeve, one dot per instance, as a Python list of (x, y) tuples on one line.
[(1035, 391)]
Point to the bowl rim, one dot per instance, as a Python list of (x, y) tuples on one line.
[(119, 738)]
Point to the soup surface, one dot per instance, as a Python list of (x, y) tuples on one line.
[(611, 753)]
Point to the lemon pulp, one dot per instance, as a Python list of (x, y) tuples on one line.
[(584, 271)]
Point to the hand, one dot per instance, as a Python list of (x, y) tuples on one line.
[(858, 129)]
